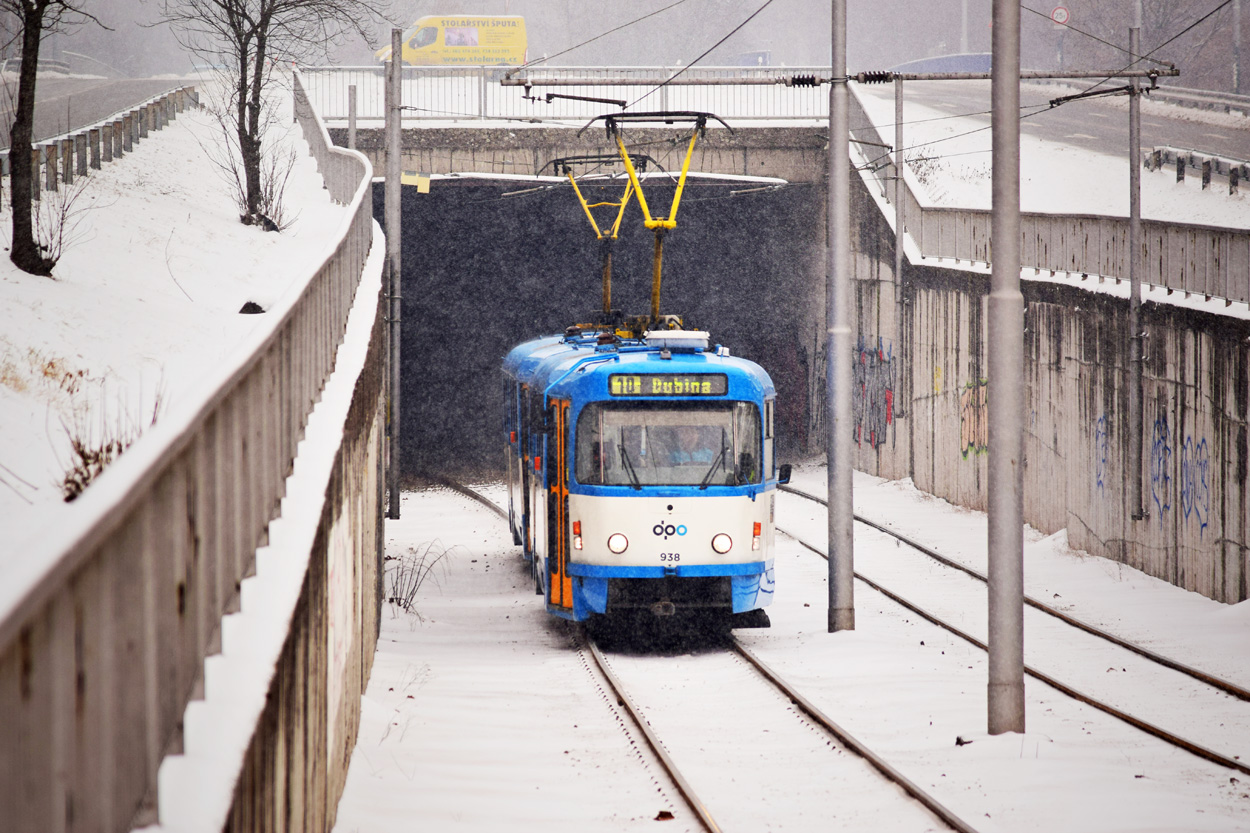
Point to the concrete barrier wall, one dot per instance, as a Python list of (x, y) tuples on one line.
[(296, 764), (118, 607)]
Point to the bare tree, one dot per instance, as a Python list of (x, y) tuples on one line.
[(30, 19), (246, 39)]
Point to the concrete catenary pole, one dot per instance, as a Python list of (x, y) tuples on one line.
[(394, 283), (1006, 386), (899, 186), (1135, 436), (963, 27), (838, 342), (1237, 47)]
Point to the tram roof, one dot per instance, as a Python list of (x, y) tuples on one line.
[(567, 362)]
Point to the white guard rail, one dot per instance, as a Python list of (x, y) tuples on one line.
[(118, 609)]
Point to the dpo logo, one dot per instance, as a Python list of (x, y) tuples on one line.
[(665, 530)]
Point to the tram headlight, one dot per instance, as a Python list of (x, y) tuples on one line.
[(722, 543), (618, 543)]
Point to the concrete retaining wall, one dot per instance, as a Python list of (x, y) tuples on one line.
[(922, 396)]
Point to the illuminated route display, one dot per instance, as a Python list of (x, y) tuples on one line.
[(668, 384)]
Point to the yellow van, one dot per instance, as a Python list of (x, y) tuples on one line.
[(464, 40)]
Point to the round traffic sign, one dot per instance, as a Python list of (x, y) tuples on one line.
[(1060, 15)]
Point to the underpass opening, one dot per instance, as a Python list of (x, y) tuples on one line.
[(490, 263)]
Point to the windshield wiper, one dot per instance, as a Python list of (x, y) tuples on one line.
[(707, 478), (629, 468)]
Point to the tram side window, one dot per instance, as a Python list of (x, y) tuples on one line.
[(509, 407), (747, 434), (769, 459)]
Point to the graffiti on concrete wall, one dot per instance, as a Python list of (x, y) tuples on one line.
[(874, 394), (1160, 466), (1101, 447), (974, 419), (937, 380), (1195, 482)]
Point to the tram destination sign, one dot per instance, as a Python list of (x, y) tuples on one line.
[(668, 384)]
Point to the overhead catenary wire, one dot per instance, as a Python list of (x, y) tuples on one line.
[(1147, 56), (1092, 36), (546, 58), (705, 53)]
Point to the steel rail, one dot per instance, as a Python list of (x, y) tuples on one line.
[(1197, 674), (806, 706), (848, 740), (683, 786), (802, 703), (472, 495), (1135, 722)]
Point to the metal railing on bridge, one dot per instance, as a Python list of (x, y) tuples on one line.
[(455, 93)]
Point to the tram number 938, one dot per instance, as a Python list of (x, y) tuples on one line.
[(671, 557)]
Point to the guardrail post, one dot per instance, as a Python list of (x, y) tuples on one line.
[(49, 168), (67, 161), (93, 139), (1206, 174), (1180, 168), (1234, 179), (145, 113), (351, 116), (4, 163), (80, 154), (127, 140), (116, 129)]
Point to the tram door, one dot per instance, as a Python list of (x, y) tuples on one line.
[(559, 583)]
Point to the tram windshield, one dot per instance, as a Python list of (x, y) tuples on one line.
[(663, 444)]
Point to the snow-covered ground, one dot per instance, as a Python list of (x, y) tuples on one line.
[(1054, 178), (481, 715), (143, 304)]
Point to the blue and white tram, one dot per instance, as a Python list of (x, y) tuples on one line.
[(642, 474)]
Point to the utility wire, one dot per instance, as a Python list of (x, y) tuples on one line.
[(1181, 33), (1095, 37), (546, 58), (732, 32)]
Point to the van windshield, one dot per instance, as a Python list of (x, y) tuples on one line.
[(663, 444)]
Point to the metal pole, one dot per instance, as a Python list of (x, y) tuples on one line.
[(351, 116), (899, 188), (1006, 375), (963, 27), (901, 403), (838, 342), (1134, 285), (394, 271), (1237, 46)]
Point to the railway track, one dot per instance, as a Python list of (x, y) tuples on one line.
[(713, 700), (1194, 691)]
